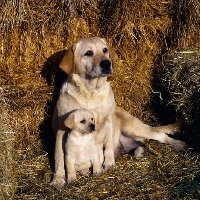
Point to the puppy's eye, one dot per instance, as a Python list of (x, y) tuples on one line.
[(92, 119), (83, 121), (105, 50), (89, 53)]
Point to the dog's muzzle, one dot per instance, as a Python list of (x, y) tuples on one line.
[(92, 127), (106, 67)]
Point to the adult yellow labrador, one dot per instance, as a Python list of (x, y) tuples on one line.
[(88, 62)]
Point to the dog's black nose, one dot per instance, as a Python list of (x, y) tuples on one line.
[(92, 126), (106, 66)]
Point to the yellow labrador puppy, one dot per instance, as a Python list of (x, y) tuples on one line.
[(81, 151), (88, 62)]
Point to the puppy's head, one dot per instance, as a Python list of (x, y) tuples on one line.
[(89, 58), (81, 120)]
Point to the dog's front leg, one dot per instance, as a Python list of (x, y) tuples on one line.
[(109, 146), (97, 164), (59, 176)]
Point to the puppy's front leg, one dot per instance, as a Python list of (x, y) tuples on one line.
[(59, 176)]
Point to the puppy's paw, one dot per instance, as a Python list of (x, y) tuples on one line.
[(139, 152), (179, 145), (58, 182), (71, 178)]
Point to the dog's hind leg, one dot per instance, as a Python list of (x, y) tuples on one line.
[(134, 128), (128, 144)]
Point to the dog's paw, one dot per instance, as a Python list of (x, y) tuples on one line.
[(71, 178), (58, 182), (110, 163), (139, 152), (179, 145), (97, 172), (84, 171)]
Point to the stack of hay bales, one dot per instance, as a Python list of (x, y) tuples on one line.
[(34, 35), (31, 32), (180, 73)]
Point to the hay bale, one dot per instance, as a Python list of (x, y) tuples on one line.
[(34, 36), (183, 81), (22, 156), (182, 78)]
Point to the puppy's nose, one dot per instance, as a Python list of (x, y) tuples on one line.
[(106, 66), (92, 127)]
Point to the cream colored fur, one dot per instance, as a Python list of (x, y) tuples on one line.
[(88, 62)]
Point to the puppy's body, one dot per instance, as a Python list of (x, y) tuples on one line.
[(88, 62), (81, 151)]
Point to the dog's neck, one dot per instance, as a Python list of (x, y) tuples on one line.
[(95, 84), (90, 84)]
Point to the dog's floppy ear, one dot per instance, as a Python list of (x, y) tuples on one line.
[(67, 63), (113, 55), (69, 122)]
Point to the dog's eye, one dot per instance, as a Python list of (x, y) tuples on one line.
[(89, 53), (83, 121), (92, 119), (105, 50)]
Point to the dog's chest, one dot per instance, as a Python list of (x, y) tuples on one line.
[(100, 100)]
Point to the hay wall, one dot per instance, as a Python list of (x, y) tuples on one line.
[(180, 74), (34, 34)]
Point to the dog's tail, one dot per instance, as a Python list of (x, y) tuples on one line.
[(170, 128)]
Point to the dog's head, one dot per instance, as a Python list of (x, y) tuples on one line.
[(89, 58), (81, 120)]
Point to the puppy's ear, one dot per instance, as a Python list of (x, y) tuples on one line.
[(67, 63), (69, 122), (113, 55)]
